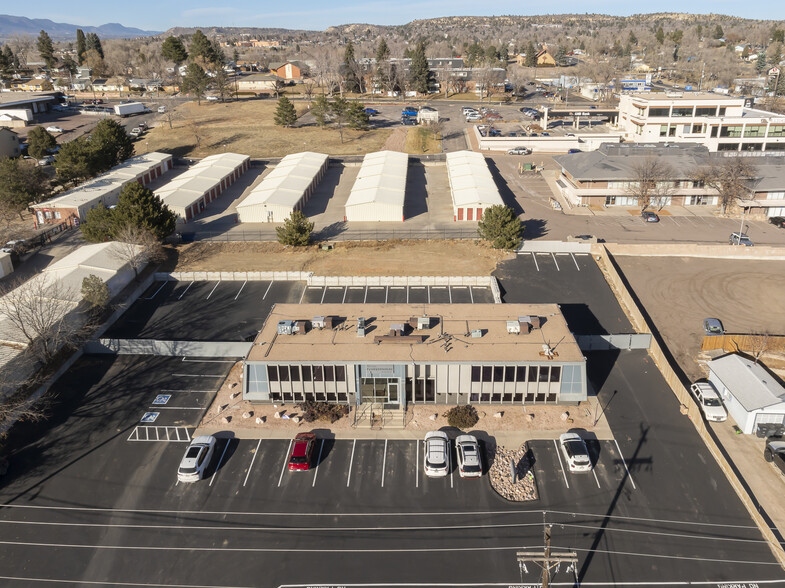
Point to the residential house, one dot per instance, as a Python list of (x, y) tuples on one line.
[(258, 83), (288, 70), (145, 84), (9, 143), (34, 85), (116, 84)]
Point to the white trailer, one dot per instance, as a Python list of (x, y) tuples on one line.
[(129, 108)]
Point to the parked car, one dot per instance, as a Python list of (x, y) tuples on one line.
[(709, 401), (469, 458), (775, 453), (519, 151), (467, 109), (713, 326), (473, 116), (409, 111), (46, 160), (302, 450), (54, 129), (17, 246), (161, 109), (569, 134), (740, 239), (778, 221), (143, 125), (135, 132), (437, 445), (574, 151), (211, 98), (545, 134), (370, 111), (575, 452), (408, 121), (650, 216), (196, 459)]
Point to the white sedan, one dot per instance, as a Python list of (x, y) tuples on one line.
[(196, 459), (437, 447), (54, 130), (575, 452), (469, 460)]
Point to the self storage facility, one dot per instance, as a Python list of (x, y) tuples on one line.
[(471, 185), (286, 188), (190, 192), (380, 188), (72, 206)]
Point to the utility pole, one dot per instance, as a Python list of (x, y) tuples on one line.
[(548, 559)]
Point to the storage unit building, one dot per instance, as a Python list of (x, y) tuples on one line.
[(190, 192), (751, 395), (285, 189), (471, 185), (72, 206), (380, 188)]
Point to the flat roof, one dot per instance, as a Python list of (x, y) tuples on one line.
[(749, 382), (471, 182), (382, 179), (684, 96), (193, 184), (287, 182), (18, 98), (449, 340)]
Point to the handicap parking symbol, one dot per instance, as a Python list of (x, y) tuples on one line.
[(162, 399), (149, 417)]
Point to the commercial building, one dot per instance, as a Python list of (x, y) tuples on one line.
[(399, 354), (721, 123), (751, 395), (189, 193), (72, 206), (767, 188), (471, 185), (285, 189), (380, 188)]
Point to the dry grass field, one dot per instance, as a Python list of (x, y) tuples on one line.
[(420, 140), (247, 127)]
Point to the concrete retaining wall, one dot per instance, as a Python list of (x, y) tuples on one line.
[(770, 253), (556, 246), (169, 348), (233, 276), (689, 406)]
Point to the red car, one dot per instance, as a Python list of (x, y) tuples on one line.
[(302, 449)]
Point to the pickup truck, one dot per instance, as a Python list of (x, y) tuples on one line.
[(775, 453)]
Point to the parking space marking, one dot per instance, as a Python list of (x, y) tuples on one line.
[(449, 462), (318, 463), (241, 289), (302, 295), (324, 291), (186, 290), (365, 297), (561, 465), (252, 460), (449, 291), (351, 461), (213, 290), (386, 293), (593, 471), (674, 220), (537, 265), (417, 467), (624, 461), (556, 262), (384, 461), (157, 291), (268, 289), (283, 467), (220, 461), (345, 290), (428, 288), (575, 261)]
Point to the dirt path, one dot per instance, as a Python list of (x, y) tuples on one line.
[(396, 141)]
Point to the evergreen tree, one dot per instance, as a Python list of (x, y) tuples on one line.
[(531, 55), (320, 109), (81, 46), (718, 32), (201, 47), (195, 81), (760, 65), (500, 227), (285, 114), (97, 225), (339, 109), (777, 35), (356, 116), (350, 70), (561, 55), (139, 207), (676, 36), (39, 142), (699, 31), (173, 50), (420, 74), (382, 51), (296, 230), (491, 55), (660, 36), (95, 292), (92, 42), (75, 161), (5, 64), (110, 144), (20, 184), (69, 64), (46, 49), (632, 39)]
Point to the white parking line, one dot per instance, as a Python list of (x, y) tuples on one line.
[(449, 461), (384, 461), (213, 290), (184, 291), (624, 461), (220, 461), (351, 461), (241, 289), (157, 291), (429, 293), (537, 265), (324, 291), (345, 290), (417, 466), (302, 295), (386, 293), (595, 477), (556, 262), (449, 291), (674, 220), (266, 291), (286, 457), (471, 293), (365, 297), (575, 261), (252, 460), (561, 465), (158, 407), (318, 461)]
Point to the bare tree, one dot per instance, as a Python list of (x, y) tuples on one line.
[(652, 183), (22, 45), (518, 76), (759, 344), (18, 379), (729, 176), (41, 312), (137, 247), (309, 87)]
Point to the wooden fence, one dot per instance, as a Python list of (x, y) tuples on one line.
[(750, 343)]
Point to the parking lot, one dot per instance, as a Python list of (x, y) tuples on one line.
[(398, 294)]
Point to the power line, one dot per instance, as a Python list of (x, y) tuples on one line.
[(548, 560)]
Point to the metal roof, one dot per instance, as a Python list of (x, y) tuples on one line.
[(286, 184), (194, 183), (471, 183), (749, 382), (381, 179)]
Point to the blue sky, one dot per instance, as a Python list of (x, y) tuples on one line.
[(320, 14)]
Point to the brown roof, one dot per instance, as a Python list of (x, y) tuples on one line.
[(448, 340)]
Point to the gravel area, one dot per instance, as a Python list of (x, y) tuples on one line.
[(525, 486)]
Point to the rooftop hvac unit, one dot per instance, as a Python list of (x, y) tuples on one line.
[(513, 327), (361, 326), (285, 327), (476, 333), (423, 322), (397, 329), (318, 322), (300, 327)]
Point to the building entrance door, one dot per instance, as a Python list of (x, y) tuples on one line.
[(379, 390)]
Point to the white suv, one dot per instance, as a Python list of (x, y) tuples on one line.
[(709, 401), (437, 448), (469, 461)]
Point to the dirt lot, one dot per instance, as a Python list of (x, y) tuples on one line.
[(382, 258), (247, 127), (678, 293)]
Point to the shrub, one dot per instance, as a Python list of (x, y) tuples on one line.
[(462, 417), (322, 411)]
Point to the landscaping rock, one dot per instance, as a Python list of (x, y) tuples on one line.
[(498, 415), (247, 415), (525, 487)]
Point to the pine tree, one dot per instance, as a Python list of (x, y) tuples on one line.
[(81, 46), (350, 68), (760, 65), (201, 47), (718, 32), (93, 42), (39, 142), (139, 207), (319, 109), (195, 81), (660, 36), (632, 39), (46, 49), (357, 118), (501, 227), (20, 184), (173, 50), (95, 292), (531, 55), (285, 114), (419, 73), (296, 230), (110, 144), (382, 51)]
